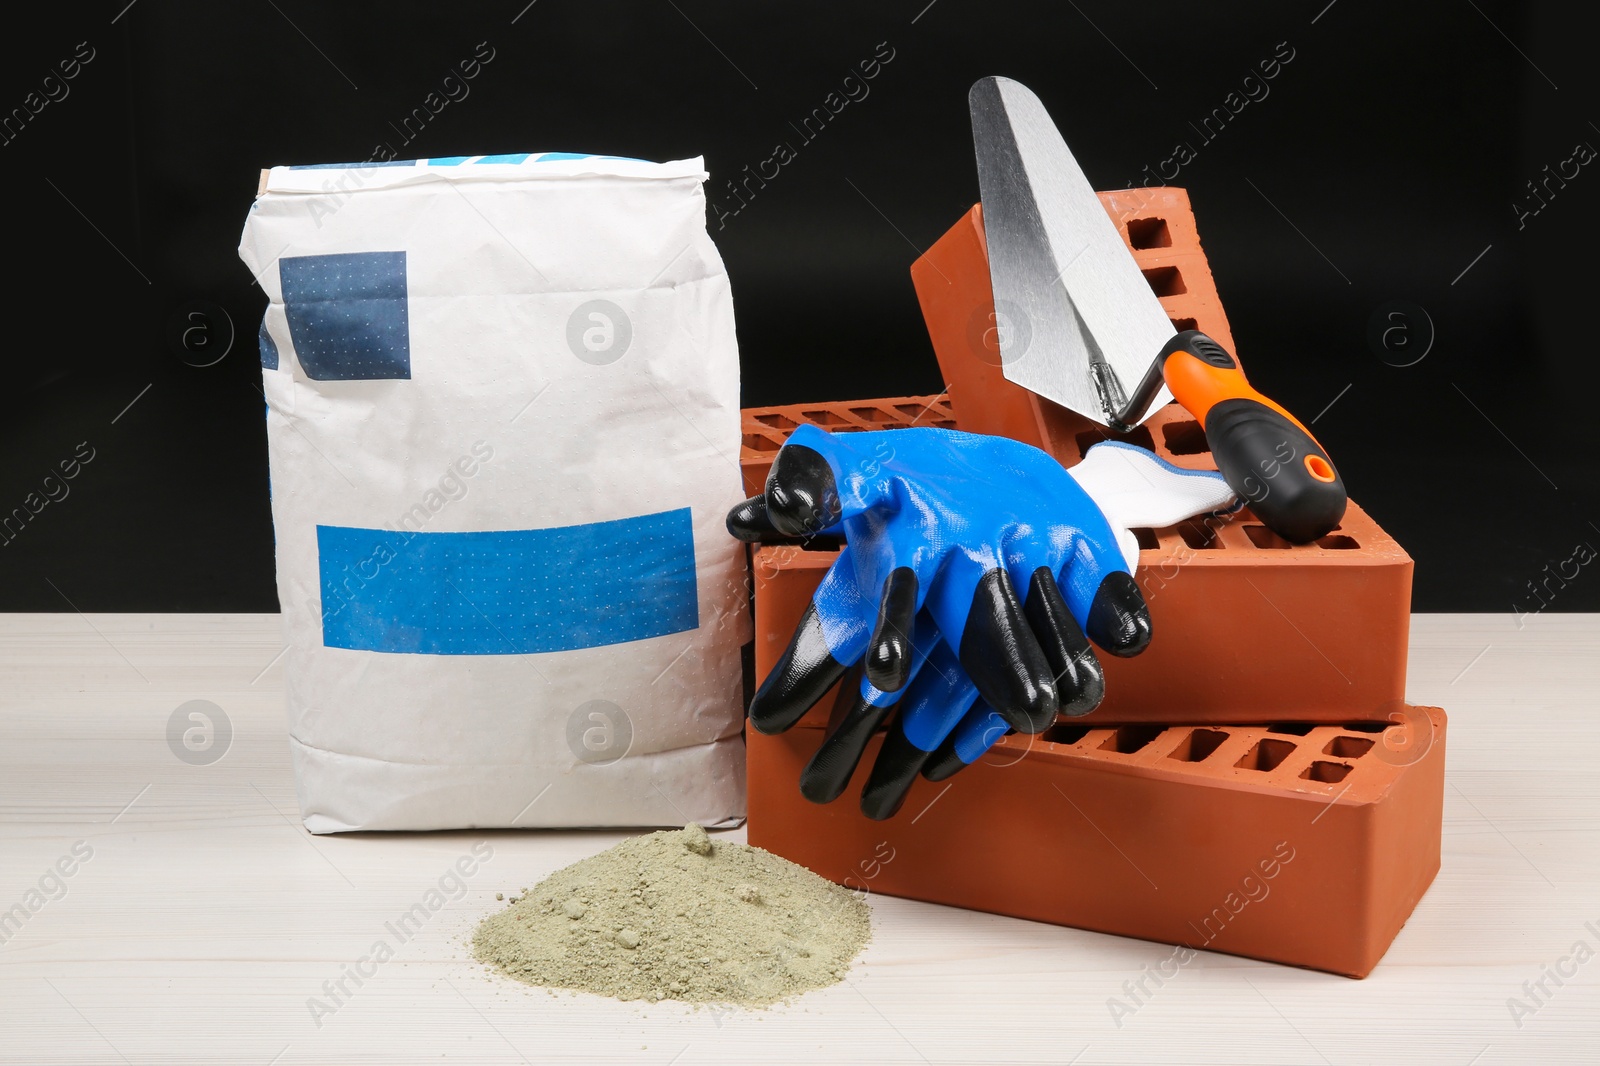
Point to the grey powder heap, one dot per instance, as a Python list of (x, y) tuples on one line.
[(673, 915)]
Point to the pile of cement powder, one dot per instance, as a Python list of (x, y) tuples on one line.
[(672, 915)]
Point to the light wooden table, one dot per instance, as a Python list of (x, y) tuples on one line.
[(206, 918)]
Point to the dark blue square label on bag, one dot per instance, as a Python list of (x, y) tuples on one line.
[(348, 314)]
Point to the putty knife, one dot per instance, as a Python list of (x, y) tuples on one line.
[(1094, 325)]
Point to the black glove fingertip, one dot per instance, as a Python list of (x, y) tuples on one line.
[(748, 521), (1080, 682), (828, 773), (802, 496), (1119, 619), (890, 653), (895, 771), (1003, 658), (801, 677)]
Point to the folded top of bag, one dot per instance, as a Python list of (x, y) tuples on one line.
[(519, 166)]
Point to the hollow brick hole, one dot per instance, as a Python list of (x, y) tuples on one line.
[(1198, 745), (1266, 755), (1130, 738), (1329, 773), (1149, 233), (1348, 747)]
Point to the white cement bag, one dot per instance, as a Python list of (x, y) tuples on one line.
[(504, 431)]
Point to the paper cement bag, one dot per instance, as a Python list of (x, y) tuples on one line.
[(503, 424)]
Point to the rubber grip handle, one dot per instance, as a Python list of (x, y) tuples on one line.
[(1270, 459)]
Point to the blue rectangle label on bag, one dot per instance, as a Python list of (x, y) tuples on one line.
[(508, 592)]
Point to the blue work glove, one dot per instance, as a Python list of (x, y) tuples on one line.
[(942, 712), (942, 528)]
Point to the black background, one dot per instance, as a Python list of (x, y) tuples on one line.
[(1392, 149)]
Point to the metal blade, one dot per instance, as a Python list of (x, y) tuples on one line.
[(1078, 322)]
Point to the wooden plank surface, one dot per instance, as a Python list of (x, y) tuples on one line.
[(204, 919)]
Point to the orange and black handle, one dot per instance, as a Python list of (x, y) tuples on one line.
[(1270, 459)]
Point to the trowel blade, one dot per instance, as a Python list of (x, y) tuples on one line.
[(1070, 303)]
